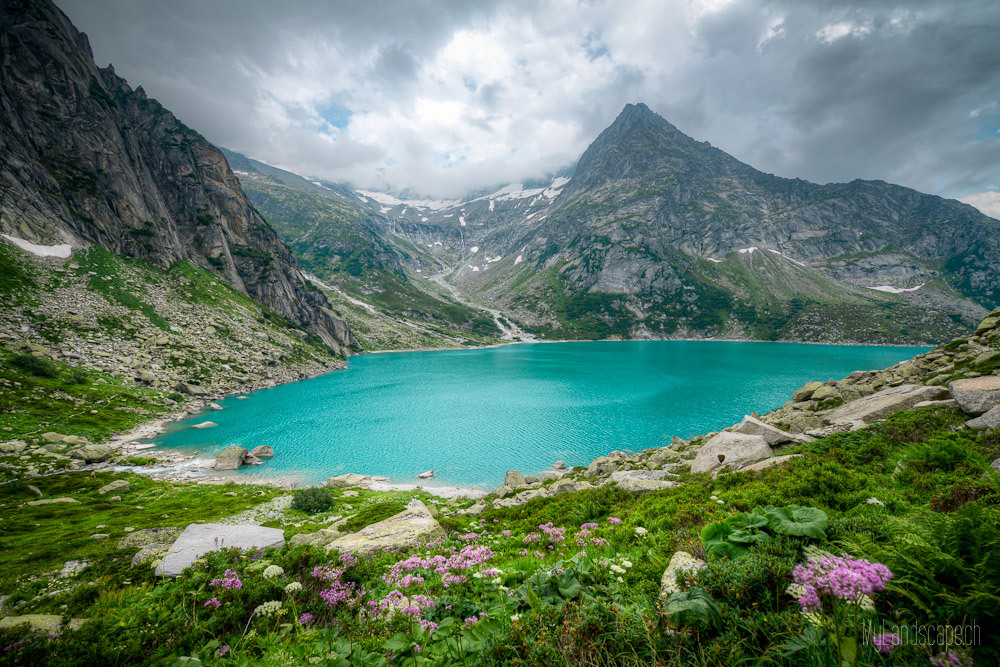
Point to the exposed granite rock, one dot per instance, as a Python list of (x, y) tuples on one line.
[(199, 539), (976, 395), (231, 458), (115, 487), (884, 403), (681, 561), (414, 526), (736, 449), (262, 452), (346, 481), (988, 420)]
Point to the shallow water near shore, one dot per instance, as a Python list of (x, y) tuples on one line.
[(471, 415)]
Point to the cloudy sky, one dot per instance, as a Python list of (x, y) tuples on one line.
[(443, 97)]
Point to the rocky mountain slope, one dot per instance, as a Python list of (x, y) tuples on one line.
[(357, 253), (85, 159), (659, 235)]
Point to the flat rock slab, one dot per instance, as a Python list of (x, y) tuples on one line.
[(47, 623), (199, 539), (738, 449), (976, 395), (885, 403), (988, 420), (640, 486), (414, 526), (623, 475), (774, 436), (346, 481), (51, 501)]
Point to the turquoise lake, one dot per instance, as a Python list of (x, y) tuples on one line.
[(471, 415)]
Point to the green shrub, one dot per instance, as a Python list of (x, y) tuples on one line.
[(692, 610), (78, 376), (33, 365), (312, 500)]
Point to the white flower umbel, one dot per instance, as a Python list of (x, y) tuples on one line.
[(272, 571), (268, 608)]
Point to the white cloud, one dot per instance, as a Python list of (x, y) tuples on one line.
[(437, 98), (987, 202)]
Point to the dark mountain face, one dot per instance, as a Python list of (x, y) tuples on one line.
[(659, 235), (86, 159), (655, 179)]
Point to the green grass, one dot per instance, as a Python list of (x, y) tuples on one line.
[(32, 405), (111, 278), (39, 539)]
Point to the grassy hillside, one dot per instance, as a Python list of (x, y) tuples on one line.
[(565, 580)]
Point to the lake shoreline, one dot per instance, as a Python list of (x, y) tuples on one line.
[(182, 467)]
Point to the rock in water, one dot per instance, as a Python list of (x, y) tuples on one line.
[(559, 465), (681, 561), (199, 539), (976, 395), (412, 527), (426, 475), (231, 458), (346, 481), (262, 452), (205, 425), (514, 479), (736, 449), (885, 403), (214, 406)]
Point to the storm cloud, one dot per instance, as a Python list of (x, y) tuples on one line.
[(444, 97)]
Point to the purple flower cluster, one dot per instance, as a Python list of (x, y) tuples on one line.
[(222, 650), (342, 592), (347, 560), (556, 534), (447, 566), (951, 658), (214, 602), (327, 573), (614, 521), (531, 538), (841, 577), (229, 581), (886, 642), (305, 619)]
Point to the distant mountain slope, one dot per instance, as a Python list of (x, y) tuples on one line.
[(361, 255), (659, 235), (86, 159)]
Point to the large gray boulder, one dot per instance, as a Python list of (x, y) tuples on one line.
[(190, 389), (414, 526), (166, 535), (681, 561), (262, 452), (114, 488), (736, 449), (346, 480), (231, 458), (601, 466), (568, 486), (199, 539), (988, 420), (976, 395), (92, 453), (514, 479), (774, 436), (640, 486), (662, 457), (885, 403), (623, 475)]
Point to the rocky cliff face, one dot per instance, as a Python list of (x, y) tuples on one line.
[(86, 159)]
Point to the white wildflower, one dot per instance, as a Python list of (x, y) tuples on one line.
[(293, 587), (496, 581), (620, 580), (617, 570), (268, 608), (272, 571), (626, 563), (640, 531), (515, 617), (721, 502)]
